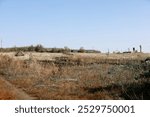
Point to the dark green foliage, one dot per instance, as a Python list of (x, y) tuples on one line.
[(40, 48)]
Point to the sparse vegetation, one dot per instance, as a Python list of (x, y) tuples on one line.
[(77, 76)]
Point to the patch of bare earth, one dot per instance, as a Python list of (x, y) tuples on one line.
[(10, 92)]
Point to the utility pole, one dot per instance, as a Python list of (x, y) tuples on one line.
[(108, 52), (1, 45)]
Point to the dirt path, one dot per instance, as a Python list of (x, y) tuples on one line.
[(10, 92)]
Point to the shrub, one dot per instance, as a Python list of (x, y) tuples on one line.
[(82, 50)]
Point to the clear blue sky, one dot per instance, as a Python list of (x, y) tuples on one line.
[(92, 24)]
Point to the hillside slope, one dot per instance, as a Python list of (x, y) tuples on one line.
[(10, 92)]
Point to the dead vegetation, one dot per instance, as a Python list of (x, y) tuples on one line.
[(76, 77), (10, 92)]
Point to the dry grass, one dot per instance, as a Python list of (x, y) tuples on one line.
[(10, 92), (87, 80)]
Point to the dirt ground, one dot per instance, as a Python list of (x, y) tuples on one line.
[(10, 92)]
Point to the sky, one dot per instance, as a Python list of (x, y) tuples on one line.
[(93, 24)]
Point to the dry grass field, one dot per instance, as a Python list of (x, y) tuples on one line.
[(74, 76)]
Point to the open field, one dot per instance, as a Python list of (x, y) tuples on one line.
[(74, 76)]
